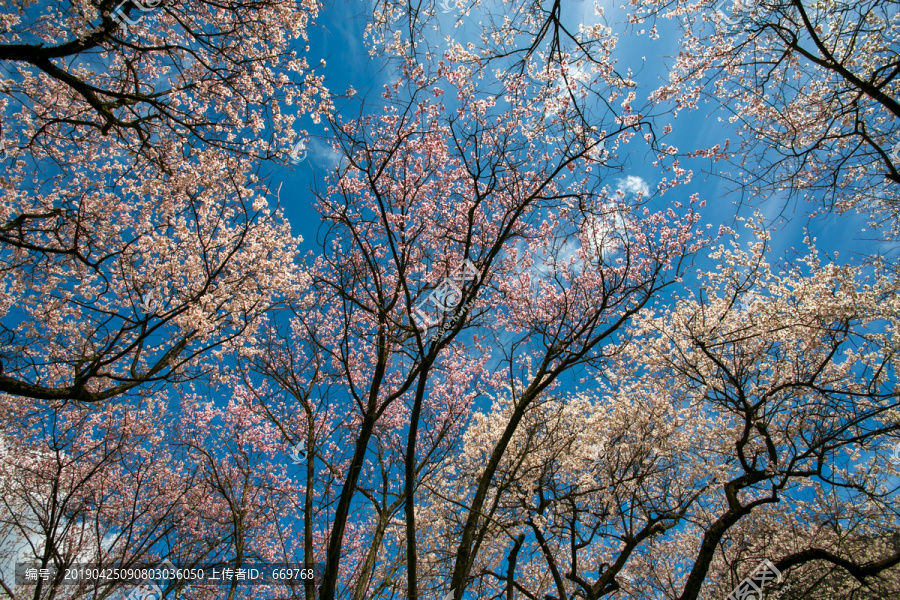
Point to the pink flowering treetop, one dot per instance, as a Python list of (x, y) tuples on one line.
[(744, 423), (135, 233), (563, 261), (814, 89)]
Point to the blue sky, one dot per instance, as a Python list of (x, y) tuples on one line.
[(338, 39)]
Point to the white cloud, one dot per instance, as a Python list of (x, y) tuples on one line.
[(633, 185)]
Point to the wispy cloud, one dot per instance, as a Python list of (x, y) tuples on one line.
[(633, 185)]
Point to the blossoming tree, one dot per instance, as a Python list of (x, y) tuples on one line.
[(813, 87), (500, 376), (559, 262), (135, 235)]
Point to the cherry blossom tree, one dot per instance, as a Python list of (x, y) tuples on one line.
[(744, 423), (245, 499), (138, 246), (813, 88), (799, 366), (571, 534), (295, 395), (139, 73), (501, 375), (124, 485), (104, 293), (562, 260), (135, 231), (82, 485)]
